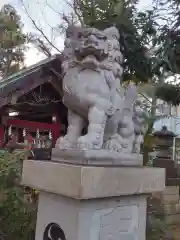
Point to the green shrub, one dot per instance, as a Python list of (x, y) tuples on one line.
[(17, 216)]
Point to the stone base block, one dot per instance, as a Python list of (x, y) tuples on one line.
[(172, 219), (119, 218), (171, 190), (80, 202), (101, 157), (172, 209), (170, 199), (85, 182)]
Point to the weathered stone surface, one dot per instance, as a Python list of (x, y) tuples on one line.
[(169, 209), (107, 219), (101, 157), (171, 190), (177, 207), (171, 203), (84, 182), (172, 209), (170, 199), (172, 219)]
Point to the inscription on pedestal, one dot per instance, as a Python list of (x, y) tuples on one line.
[(116, 223), (53, 232)]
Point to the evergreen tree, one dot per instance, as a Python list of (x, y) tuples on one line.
[(17, 214), (12, 41), (150, 39), (124, 15)]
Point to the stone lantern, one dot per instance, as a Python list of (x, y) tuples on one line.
[(164, 147), (163, 143)]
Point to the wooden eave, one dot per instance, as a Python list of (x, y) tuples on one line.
[(48, 70)]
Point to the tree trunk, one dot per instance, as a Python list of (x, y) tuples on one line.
[(146, 148)]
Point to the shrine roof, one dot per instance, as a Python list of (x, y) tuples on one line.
[(36, 73)]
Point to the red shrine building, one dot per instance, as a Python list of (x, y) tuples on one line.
[(31, 105)]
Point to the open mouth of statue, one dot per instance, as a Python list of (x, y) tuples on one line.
[(91, 50)]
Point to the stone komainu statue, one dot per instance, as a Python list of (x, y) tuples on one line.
[(94, 96)]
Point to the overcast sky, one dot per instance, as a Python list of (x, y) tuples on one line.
[(44, 13)]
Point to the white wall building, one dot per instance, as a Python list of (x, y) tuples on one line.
[(171, 119)]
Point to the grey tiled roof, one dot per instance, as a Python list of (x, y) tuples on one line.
[(18, 79)]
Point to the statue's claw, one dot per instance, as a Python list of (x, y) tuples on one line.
[(84, 146), (112, 145)]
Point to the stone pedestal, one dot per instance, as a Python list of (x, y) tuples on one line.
[(91, 203), (170, 200)]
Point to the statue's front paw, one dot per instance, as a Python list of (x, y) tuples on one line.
[(84, 143), (63, 143), (112, 145), (89, 142)]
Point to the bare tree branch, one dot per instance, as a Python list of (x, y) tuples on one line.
[(38, 28), (63, 15), (42, 46), (146, 98), (74, 7)]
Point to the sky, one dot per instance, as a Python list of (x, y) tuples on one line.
[(47, 14)]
